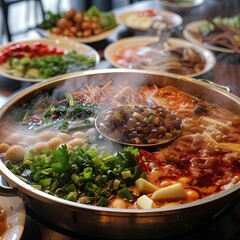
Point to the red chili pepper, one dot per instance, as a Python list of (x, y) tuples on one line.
[(3, 59), (54, 116), (144, 166), (35, 118), (148, 156), (19, 55)]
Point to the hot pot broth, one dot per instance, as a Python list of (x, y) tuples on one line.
[(59, 151)]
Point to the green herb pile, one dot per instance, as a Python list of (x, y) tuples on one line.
[(85, 171), (66, 115)]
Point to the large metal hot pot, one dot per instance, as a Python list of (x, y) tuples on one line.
[(123, 223)]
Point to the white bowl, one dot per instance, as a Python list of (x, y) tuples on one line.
[(16, 217)]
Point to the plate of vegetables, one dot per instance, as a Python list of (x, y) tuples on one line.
[(149, 19), (220, 34), (84, 26), (40, 59)]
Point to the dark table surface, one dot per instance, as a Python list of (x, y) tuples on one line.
[(226, 72)]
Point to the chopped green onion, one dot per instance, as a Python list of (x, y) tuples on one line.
[(72, 196), (103, 202), (87, 173), (37, 186), (54, 186), (70, 188), (125, 193), (45, 182), (75, 178), (23, 179)]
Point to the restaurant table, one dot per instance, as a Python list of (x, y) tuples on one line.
[(226, 72)]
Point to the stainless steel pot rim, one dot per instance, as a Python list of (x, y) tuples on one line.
[(15, 182), (31, 191), (57, 79)]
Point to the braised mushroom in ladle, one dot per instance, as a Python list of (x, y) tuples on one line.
[(139, 126)]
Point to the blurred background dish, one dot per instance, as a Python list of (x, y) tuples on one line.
[(54, 57), (149, 19), (186, 59), (15, 212), (87, 26), (219, 34), (90, 39), (181, 3)]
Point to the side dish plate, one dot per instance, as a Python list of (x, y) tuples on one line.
[(91, 39), (113, 49), (126, 18), (194, 27), (65, 44)]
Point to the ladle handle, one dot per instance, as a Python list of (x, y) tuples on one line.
[(217, 85)]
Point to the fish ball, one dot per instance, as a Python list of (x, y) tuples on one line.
[(4, 147), (46, 135), (79, 135), (15, 138), (15, 153), (38, 147), (76, 142), (54, 143), (31, 140), (64, 136)]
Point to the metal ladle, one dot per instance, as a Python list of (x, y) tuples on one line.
[(161, 46), (99, 122), (163, 33)]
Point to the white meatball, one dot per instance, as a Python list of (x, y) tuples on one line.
[(4, 147), (15, 138), (46, 135), (30, 140), (54, 143), (79, 135), (38, 147), (15, 153), (76, 142), (64, 136)]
